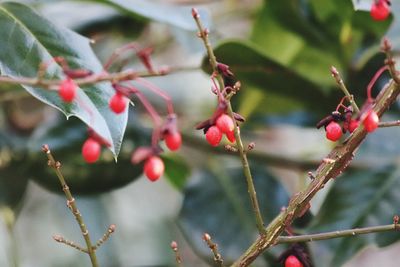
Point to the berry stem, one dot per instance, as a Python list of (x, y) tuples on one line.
[(373, 81), (159, 92), (342, 86), (56, 165), (203, 34), (118, 52), (337, 234)]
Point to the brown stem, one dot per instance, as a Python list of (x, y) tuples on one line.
[(203, 34), (72, 205), (334, 164), (336, 234), (384, 124), (214, 249)]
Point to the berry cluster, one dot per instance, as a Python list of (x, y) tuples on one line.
[(168, 131), (380, 10), (338, 123), (220, 122)]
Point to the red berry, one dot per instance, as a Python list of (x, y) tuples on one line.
[(293, 261), (333, 131), (118, 103), (213, 135), (380, 10), (353, 125), (225, 123), (67, 90), (91, 150), (371, 121), (173, 140), (153, 168), (231, 136)]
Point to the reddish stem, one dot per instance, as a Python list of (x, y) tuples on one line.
[(153, 114), (118, 52), (159, 92), (373, 81), (341, 103)]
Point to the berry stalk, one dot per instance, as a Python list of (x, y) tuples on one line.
[(203, 34)]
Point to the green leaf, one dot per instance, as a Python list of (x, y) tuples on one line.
[(256, 69), (357, 199), (178, 16), (35, 40), (218, 203), (176, 170), (65, 140)]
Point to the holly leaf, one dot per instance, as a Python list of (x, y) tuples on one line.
[(218, 203), (35, 40), (178, 16)]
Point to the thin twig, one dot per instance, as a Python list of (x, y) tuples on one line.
[(178, 259), (336, 234), (338, 160), (56, 165), (214, 249), (340, 82), (105, 237), (71, 244), (389, 123), (203, 34)]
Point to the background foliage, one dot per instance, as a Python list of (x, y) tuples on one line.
[(281, 51)]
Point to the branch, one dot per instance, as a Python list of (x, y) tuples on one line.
[(105, 237), (333, 165), (125, 75), (214, 249), (340, 82), (389, 124), (203, 34), (56, 165), (336, 234), (71, 244)]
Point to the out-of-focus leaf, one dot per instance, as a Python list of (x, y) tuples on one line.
[(176, 170), (357, 199), (13, 183), (35, 40), (219, 205), (177, 16), (256, 69), (65, 141)]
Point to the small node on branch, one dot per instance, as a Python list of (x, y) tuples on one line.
[(396, 219), (62, 240), (58, 165), (105, 237), (174, 246), (311, 175), (334, 72), (214, 248), (251, 146), (195, 13), (386, 45), (231, 148), (45, 148)]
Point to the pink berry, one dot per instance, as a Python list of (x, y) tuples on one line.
[(213, 135), (371, 121), (173, 140), (293, 261), (118, 103), (333, 131), (91, 150), (353, 125), (225, 123), (153, 168), (67, 90), (231, 136), (380, 10)]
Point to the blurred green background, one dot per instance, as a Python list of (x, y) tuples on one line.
[(281, 51)]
